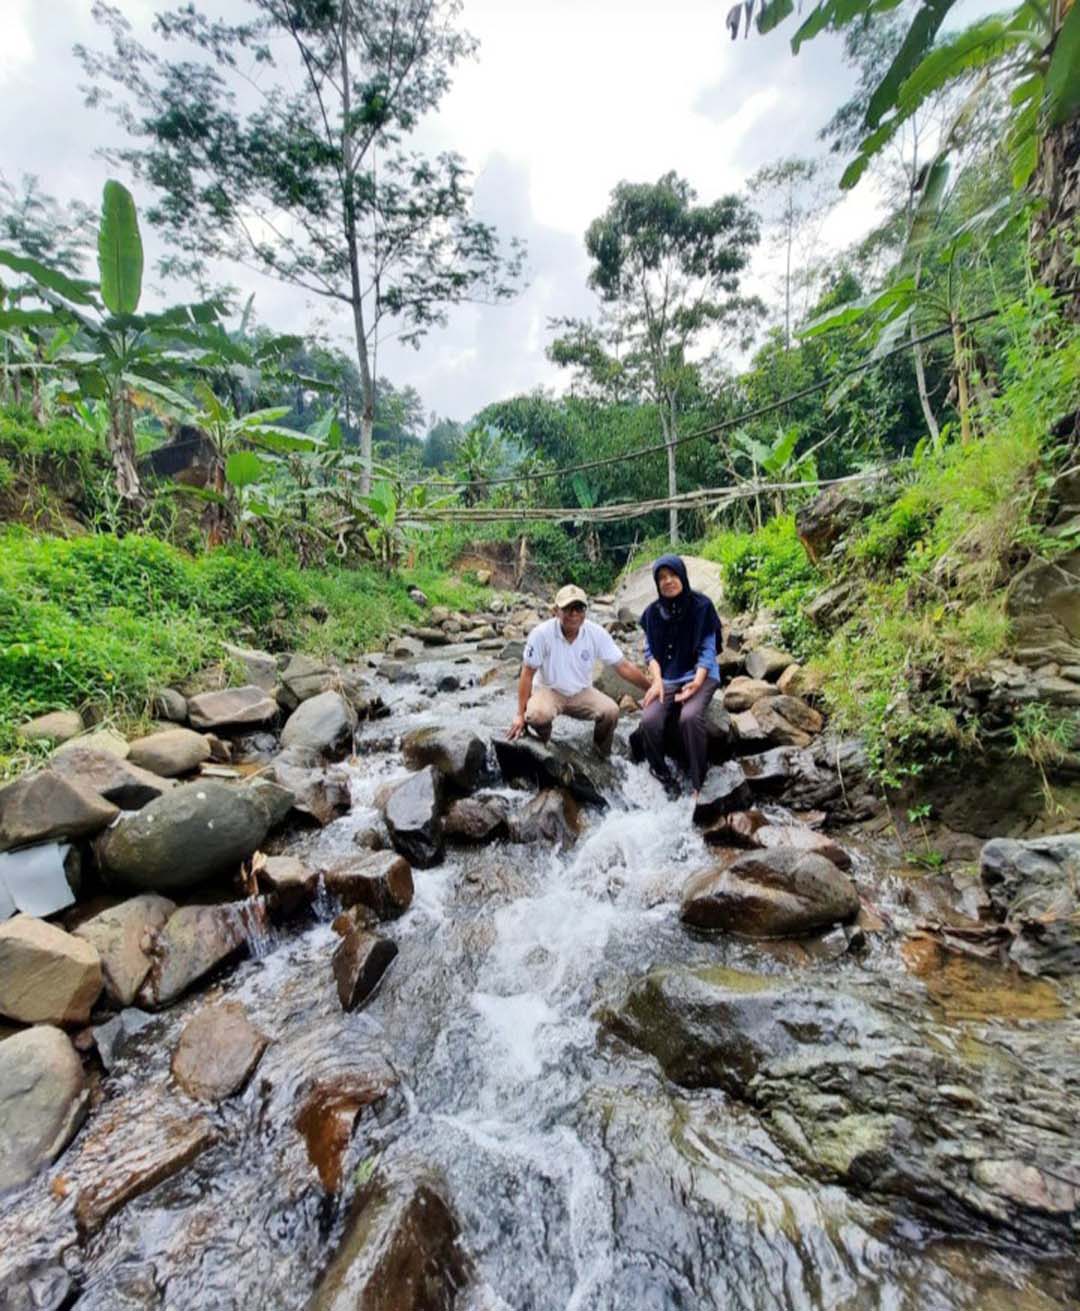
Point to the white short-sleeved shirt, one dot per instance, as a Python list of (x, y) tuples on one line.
[(568, 666)]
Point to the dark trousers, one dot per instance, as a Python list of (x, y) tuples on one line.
[(656, 719)]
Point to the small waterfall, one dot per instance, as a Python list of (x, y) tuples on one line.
[(256, 927)]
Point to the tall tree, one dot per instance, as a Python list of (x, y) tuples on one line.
[(314, 184), (667, 272)]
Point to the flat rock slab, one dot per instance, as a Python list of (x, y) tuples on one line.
[(43, 1100), (188, 835), (194, 941), (236, 707), (360, 961), (116, 779), (217, 1052), (380, 880), (44, 807), (171, 752), (400, 1252), (122, 936), (800, 838), (134, 1143), (47, 976), (770, 894)]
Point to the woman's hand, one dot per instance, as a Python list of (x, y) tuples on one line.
[(655, 693), (685, 693)]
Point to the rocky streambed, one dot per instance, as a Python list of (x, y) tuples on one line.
[(448, 1022)]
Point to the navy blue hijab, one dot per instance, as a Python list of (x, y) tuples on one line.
[(676, 629)]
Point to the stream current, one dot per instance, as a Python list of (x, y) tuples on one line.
[(582, 1179)]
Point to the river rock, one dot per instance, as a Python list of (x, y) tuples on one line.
[(111, 1038), (431, 636), (194, 941), (286, 876), (55, 728), (741, 693), (37, 1286), (796, 680), (1034, 888), (324, 723), (459, 755), (380, 880), (637, 589), (303, 677), (476, 819), (260, 667), (360, 961), (766, 662), (798, 837), (171, 752), (555, 764), (39, 880), (101, 739), (192, 833), (414, 820), (332, 1105), (512, 650), (122, 936), (400, 1252), (736, 829), (725, 789), (117, 780), (787, 721), (43, 807), (47, 976), (780, 893), (43, 1100), (551, 816), (218, 1049), (134, 1142), (858, 1090), (168, 703), (273, 799), (320, 793), (1043, 606), (747, 731), (235, 707)]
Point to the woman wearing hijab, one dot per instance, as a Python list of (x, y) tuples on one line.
[(681, 629)]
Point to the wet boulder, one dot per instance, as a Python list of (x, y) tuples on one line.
[(333, 1103), (44, 807), (400, 1252), (778, 893), (171, 752), (122, 936), (47, 976), (324, 724), (414, 817), (380, 880), (555, 764), (318, 792), (125, 784), (736, 829), (742, 693), (37, 1286), (550, 817), (458, 754), (725, 790), (476, 819), (719, 731), (235, 707), (196, 831), (218, 1049), (43, 1100), (1034, 888), (286, 877), (360, 961), (195, 941), (799, 837)]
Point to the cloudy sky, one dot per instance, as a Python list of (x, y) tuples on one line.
[(566, 98)]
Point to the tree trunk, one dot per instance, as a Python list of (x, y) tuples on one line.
[(963, 400), (1057, 184), (920, 381), (122, 449), (668, 427)]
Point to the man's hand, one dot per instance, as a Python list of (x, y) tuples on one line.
[(516, 728), (655, 693)]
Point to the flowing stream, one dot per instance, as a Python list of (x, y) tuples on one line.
[(581, 1178)]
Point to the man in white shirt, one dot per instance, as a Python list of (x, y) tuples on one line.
[(557, 672)]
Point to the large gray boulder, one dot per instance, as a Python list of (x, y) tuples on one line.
[(777, 893), (414, 817), (44, 807), (304, 677), (191, 834), (555, 764), (235, 707), (636, 590), (1034, 888), (168, 753), (457, 753), (1043, 606), (858, 1090), (43, 1100), (47, 976), (725, 790), (551, 817), (122, 936), (117, 780), (324, 723)]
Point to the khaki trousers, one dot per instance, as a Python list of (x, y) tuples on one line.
[(546, 703)]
